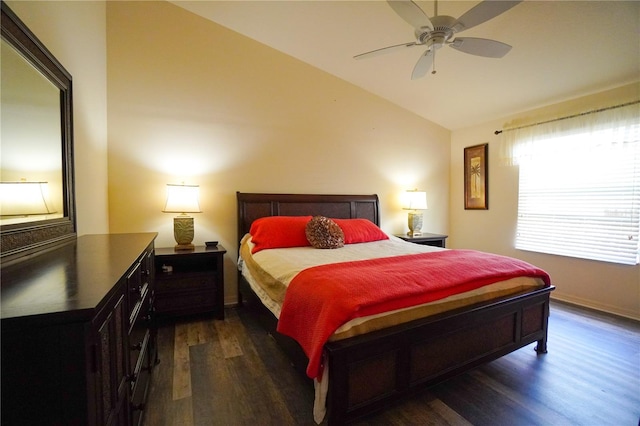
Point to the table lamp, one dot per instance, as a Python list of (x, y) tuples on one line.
[(414, 201), (182, 199)]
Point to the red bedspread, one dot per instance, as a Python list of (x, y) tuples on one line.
[(322, 298)]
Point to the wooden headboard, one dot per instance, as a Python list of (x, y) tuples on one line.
[(254, 206)]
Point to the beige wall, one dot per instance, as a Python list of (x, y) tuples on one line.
[(75, 32), (192, 101), (601, 285)]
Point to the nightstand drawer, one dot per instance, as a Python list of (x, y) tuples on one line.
[(186, 281), (186, 302)]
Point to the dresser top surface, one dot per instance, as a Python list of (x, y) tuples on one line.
[(70, 279)]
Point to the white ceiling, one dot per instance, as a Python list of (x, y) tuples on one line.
[(561, 50)]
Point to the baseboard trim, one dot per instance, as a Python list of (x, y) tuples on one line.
[(613, 310)]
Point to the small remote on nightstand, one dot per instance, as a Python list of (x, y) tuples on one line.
[(211, 243)]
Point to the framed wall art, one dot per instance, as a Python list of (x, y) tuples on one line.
[(476, 177)]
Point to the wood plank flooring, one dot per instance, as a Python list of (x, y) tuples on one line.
[(231, 372)]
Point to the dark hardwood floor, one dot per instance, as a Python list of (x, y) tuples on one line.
[(232, 373)]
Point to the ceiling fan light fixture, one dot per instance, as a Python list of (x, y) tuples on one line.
[(436, 41)]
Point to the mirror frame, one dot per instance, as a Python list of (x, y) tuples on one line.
[(21, 239)]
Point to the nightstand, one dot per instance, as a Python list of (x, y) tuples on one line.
[(426, 239), (190, 282)]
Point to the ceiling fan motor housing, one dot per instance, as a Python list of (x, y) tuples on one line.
[(442, 32)]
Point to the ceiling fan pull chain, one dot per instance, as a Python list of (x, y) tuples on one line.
[(434, 63)]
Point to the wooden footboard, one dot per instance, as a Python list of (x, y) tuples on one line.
[(370, 371)]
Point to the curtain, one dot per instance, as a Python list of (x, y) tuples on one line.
[(610, 127)]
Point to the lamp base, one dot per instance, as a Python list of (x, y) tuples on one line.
[(184, 247), (183, 232), (415, 224)]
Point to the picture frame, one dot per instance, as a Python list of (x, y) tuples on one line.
[(476, 177)]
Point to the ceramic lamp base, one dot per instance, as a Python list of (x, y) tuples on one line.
[(415, 224), (183, 232), (184, 247)]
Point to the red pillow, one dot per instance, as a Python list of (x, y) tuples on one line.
[(360, 231), (279, 232)]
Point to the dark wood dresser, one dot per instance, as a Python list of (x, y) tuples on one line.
[(78, 343)]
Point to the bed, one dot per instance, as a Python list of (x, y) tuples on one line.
[(367, 372)]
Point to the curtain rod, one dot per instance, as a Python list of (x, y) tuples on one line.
[(497, 132)]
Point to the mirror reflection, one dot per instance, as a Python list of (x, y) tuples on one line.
[(31, 175)]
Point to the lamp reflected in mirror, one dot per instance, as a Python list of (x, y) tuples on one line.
[(22, 199), (415, 201), (183, 199)]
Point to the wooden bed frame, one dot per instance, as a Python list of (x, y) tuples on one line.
[(371, 371)]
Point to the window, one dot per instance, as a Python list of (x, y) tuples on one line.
[(579, 188)]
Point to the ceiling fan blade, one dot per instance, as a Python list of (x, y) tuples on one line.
[(384, 50), (481, 47), (423, 65), (411, 12), (482, 12)]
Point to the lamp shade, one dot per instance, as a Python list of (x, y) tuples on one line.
[(182, 199), (25, 198), (415, 200)]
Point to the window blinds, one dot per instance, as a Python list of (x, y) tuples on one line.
[(579, 190)]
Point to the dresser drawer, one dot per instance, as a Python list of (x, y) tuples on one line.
[(134, 286), (139, 392), (139, 334), (139, 281)]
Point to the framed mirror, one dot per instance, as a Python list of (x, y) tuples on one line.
[(37, 198)]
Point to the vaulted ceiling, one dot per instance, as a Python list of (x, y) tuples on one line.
[(561, 50)]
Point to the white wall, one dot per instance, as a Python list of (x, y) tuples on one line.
[(75, 33), (600, 285), (192, 101)]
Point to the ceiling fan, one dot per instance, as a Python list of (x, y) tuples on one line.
[(433, 33)]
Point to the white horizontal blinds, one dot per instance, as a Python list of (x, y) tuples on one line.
[(587, 208), (580, 192)]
